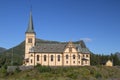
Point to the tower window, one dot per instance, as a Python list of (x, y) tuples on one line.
[(29, 40)]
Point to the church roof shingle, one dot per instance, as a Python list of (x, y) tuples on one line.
[(49, 47), (58, 47)]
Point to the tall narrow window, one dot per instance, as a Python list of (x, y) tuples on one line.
[(44, 57), (29, 40), (66, 56), (78, 56), (37, 57), (31, 60), (58, 57), (73, 56), (51, 57)]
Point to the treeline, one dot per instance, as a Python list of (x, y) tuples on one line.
[(100, 59), (95, 59)]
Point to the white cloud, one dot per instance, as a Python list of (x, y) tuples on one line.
[(86, 39)]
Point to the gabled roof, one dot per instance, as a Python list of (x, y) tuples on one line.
[(30, 28), (58, 47)]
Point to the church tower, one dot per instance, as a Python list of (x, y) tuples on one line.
[(30, 37)]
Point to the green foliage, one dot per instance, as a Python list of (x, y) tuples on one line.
[(97, 59), (14, 55), (17, 70), (73, 75), (98, 75), (42, 69), (70, 73), (3, 72)]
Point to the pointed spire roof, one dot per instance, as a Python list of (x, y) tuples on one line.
[(30, 28)]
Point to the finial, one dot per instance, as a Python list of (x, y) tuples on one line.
[(30, 5)]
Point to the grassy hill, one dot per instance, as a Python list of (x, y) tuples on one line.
[(65, 73)]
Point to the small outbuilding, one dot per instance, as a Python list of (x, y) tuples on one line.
[(109, 63)]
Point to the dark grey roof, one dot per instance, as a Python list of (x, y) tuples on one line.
[(49, 48), (81, 48), (58, 47), (30, 28)]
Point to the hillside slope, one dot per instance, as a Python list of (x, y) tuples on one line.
[(2, 49)]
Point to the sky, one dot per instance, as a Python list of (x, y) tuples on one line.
[(97, 22)]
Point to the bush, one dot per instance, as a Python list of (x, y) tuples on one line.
[(98, 75), (73, 75), (43, 68), (3, 72), (17, 70)]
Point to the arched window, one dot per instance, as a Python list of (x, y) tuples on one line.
[(58, 57), (86, 55), (66, 56), (78, 56), (37, 57), (51, 57), (44, 57), (73, 56)]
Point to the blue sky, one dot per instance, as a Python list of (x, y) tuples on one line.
[(97, 22)]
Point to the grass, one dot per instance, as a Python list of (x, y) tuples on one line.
[(65, 73)]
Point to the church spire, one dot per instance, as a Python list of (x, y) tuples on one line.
[(30, 28)]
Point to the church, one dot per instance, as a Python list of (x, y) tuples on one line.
[(53, 54)]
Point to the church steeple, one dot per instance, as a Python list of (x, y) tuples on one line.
[(30, 28)]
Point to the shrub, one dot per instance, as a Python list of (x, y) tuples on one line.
[(43, 68), (73, 75), (17, 70), (98, 75), (3, 72)]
